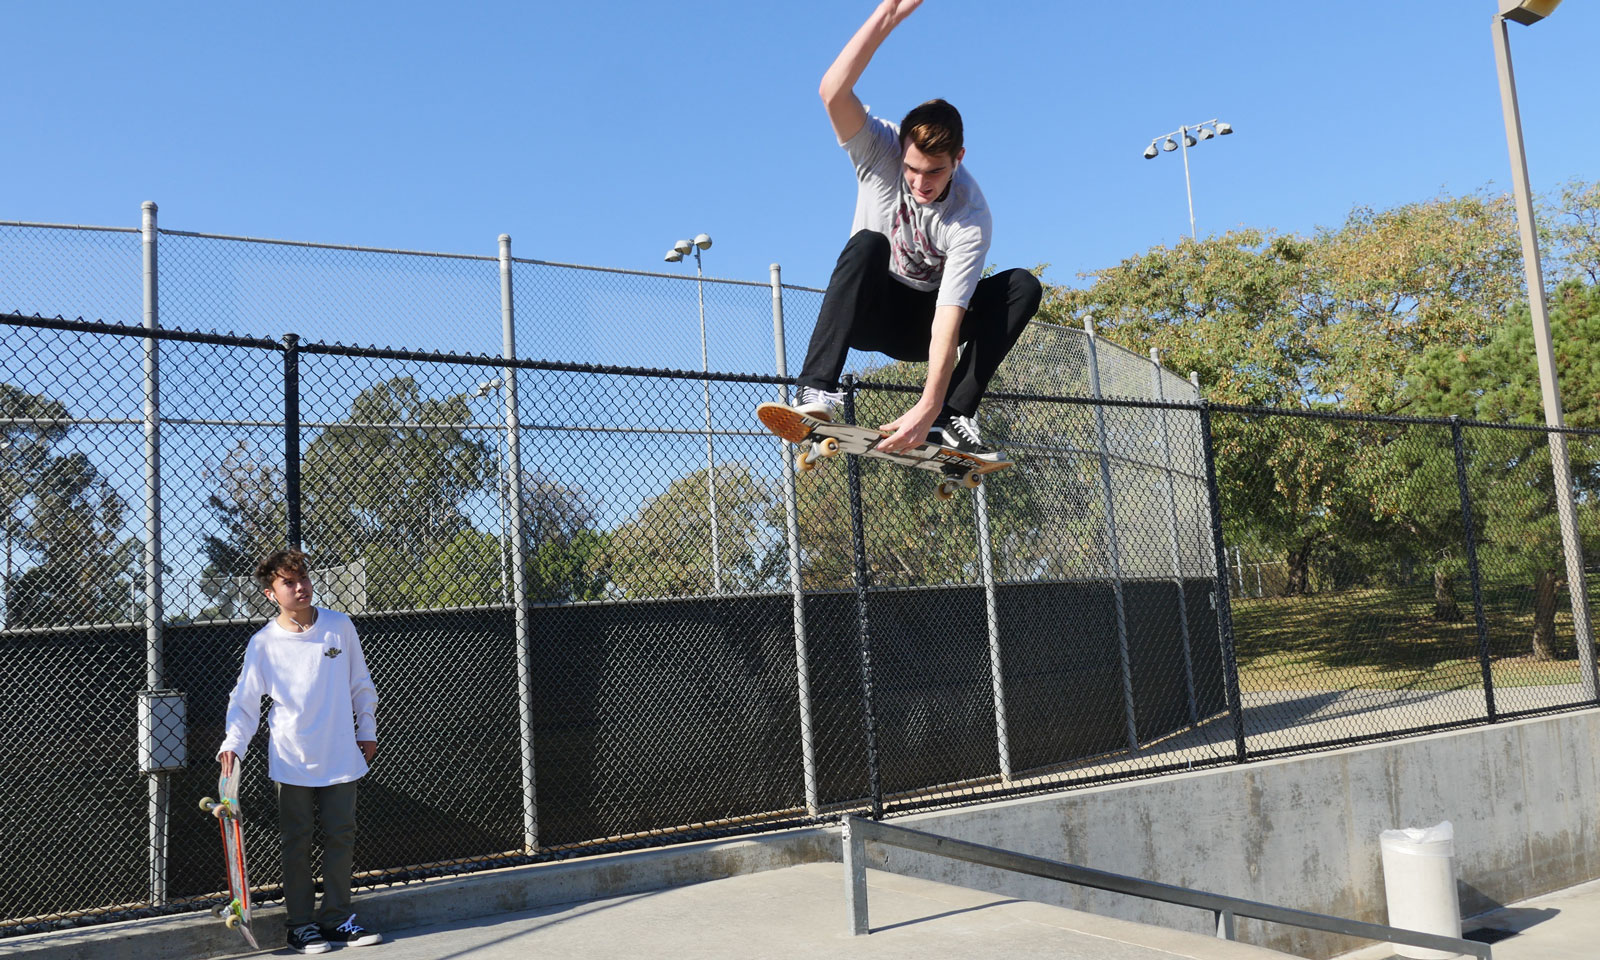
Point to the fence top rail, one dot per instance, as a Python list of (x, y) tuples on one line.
[(923, 842), (68, 226), (664, 276), (327, 246), (81, 325)]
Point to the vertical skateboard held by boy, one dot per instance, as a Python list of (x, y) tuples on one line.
[(322, 735), (910, 282)]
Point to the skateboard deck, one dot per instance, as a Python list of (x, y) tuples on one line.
[(822, 439), (236, 912)]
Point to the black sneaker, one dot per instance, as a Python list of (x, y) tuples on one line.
[(353, 934), (307, 938), (961, 433), (819, 404)]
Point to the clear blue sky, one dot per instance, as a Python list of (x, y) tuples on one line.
[(601, 132)]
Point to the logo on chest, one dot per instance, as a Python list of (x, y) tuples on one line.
[(332, 652)]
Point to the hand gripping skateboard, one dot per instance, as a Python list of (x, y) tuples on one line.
[(236, 912), (822, 439)]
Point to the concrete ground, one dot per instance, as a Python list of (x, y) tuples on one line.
[(799, 913), (1564, 925)]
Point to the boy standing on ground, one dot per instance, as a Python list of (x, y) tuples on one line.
[(908, 282), (323, 733)]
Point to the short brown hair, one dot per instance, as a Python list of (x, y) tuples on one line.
[(285, 561), (935, 127)]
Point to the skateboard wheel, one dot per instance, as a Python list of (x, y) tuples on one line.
[(807, 464), (945, 490), (216, 911), (205, 804), (232, 921), (830, 447), (972, 480)]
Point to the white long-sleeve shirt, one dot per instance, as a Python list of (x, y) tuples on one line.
[(323, 701)]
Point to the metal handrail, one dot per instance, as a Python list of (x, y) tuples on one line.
[(857, 832)]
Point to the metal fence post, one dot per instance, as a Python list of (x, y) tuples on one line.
[(1472, 568), (519, 570), (858, 543), (991, 616), (791, 510), (291, 436), (1113, 551), (1172, 532), (1230, 662), (159, 787)]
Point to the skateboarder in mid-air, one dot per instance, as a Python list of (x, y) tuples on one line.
[(909, 283), (324, 733)]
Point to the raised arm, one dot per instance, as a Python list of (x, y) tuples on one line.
[(838, 84)]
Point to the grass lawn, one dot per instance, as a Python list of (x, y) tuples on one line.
[(1386, 638)]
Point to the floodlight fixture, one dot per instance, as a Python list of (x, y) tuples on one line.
[(684, 247), (1151, 151), (486, 386), (702, 241), (1223, 129), (1527, 12), (1188, 139), (673, 256), (1206, 133), (1170, 145)]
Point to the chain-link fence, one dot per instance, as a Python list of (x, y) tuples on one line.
[(603, 611)]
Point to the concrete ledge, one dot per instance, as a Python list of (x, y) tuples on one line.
[(428, 902)]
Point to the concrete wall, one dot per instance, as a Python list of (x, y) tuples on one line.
[(1303, 831)]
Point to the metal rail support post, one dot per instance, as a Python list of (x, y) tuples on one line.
[(519, 569), (791, 510), (1113, 550)]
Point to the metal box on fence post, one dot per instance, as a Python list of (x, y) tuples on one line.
[(163, 731)]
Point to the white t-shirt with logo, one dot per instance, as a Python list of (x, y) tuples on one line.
[(323, 701), (932, 246)]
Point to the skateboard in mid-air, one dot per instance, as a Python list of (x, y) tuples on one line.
[(236, 912), (821, 439)]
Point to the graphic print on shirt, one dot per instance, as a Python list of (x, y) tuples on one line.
[(913, 256)]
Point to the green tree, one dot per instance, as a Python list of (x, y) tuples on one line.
[(1510, 475), (393, 485), (66, 519), (665, 549)]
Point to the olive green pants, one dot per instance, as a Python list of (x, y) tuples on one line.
[(300, 811)]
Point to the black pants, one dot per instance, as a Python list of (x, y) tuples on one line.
[(868, 309)]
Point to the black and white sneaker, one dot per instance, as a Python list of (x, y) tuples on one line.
[(819, 404), (961, 433), (353, 934), (307, 938)]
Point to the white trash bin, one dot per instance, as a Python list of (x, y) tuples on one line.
[(1419, 881)]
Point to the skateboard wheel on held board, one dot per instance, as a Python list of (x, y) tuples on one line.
[(972, 480), (945, 490), (830, 447), (205, 804), (231, 921)]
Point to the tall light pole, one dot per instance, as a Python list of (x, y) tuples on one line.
[(677, 253), (1188, 136), (1529, 12)]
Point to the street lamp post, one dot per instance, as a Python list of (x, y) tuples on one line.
[(677, 253), (1188, 136), (1529, 12)]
